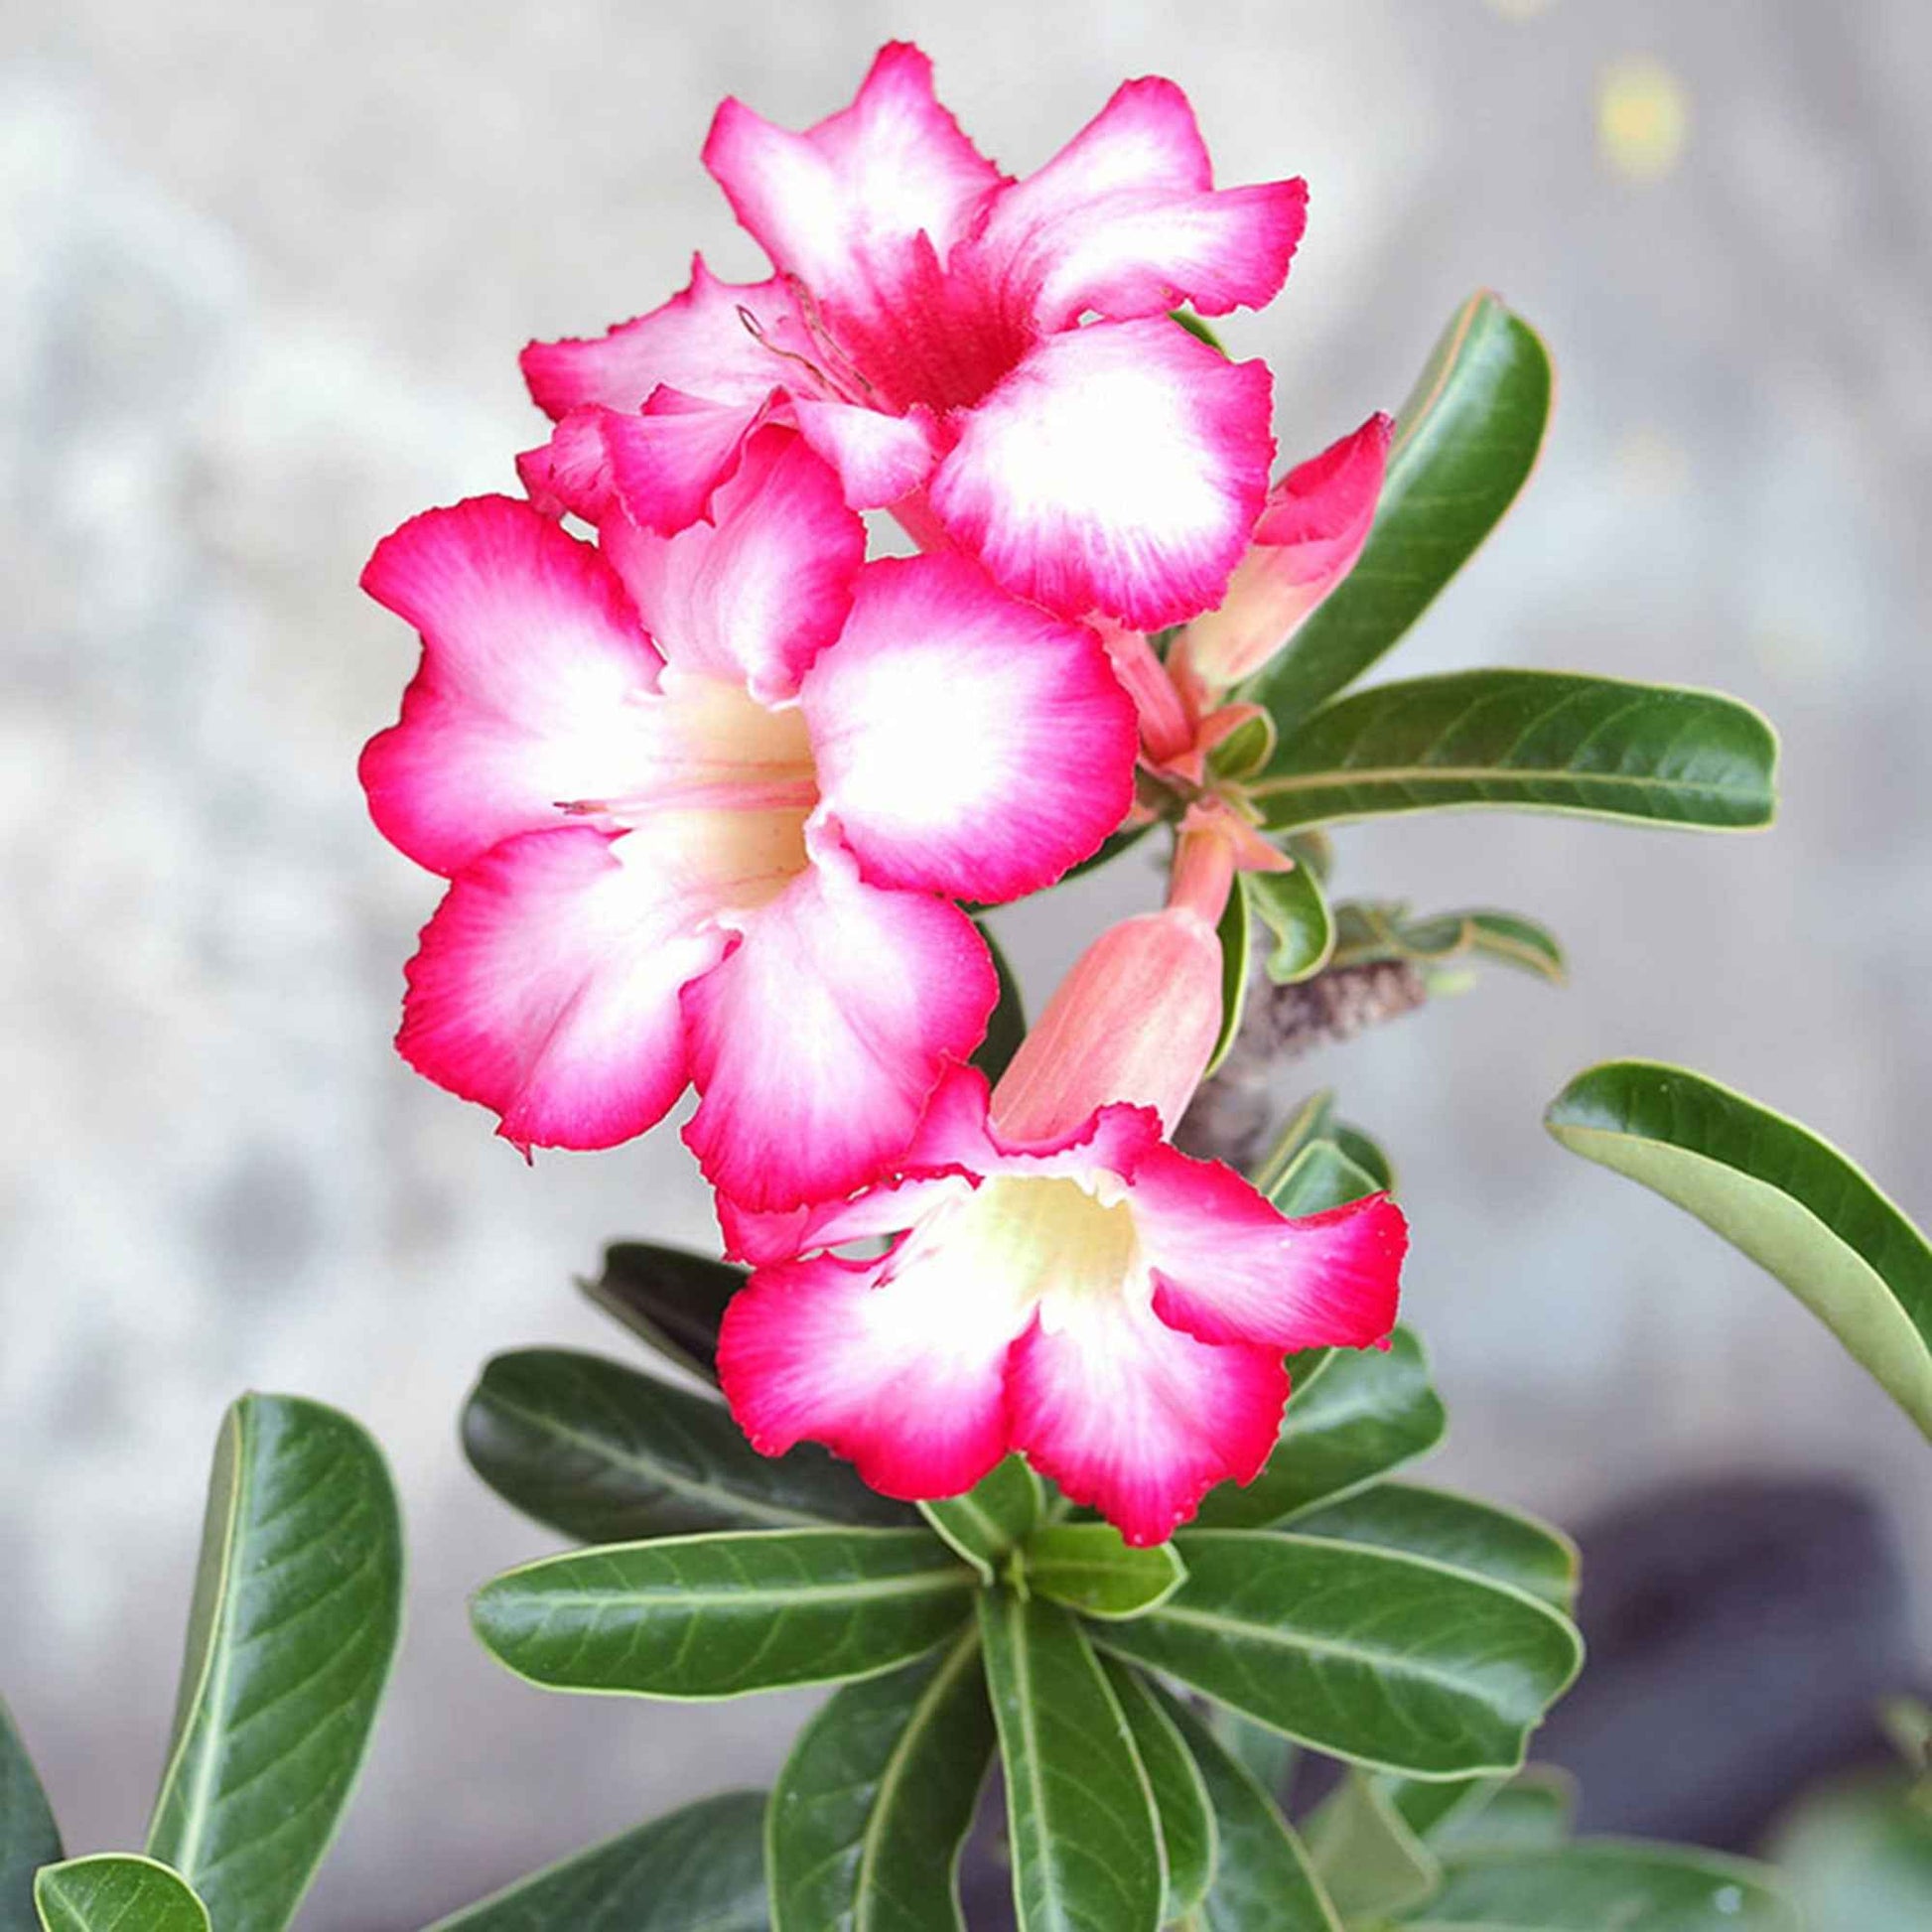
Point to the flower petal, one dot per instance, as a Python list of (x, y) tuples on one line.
[(666, 462), (1125, 220), (755, 593), (1120, 468), (1135, 1419), (698, 342), (1229, 1267), (906, 1376), (546, 987), (834, 205), (818, 1042), (532, 657), (879, 458), (967, 743)]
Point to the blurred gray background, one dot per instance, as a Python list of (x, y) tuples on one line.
[(263, 273)]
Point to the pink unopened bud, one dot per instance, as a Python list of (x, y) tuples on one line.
[(1306, 541), (1136, 1020)]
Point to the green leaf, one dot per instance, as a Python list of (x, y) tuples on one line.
[(1196, 327), (1266, 1755), (1532, 1812), (1500, 1544), (991, 1518), (1007, 1027), (1263, 1881), (1464, 444), (1320, 1177), (1307, 1124), (117, 1891), (1790, 1200), (1385, 1659), (1180, 1801), (699, 1870), (698, 1617), (1376, 929), (1367, 1155), (1089, 1568), (877, 1797), (1365, 1853), (1290, 906), (1859, 1856), (1233, 934), (298, 1604), (1368, 1411), (607, 1456), (672, 1301), (29, 1838), (1531, 741), (1513, 940), (1592, 1885), (1080, 1819)]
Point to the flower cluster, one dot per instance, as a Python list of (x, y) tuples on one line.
[(709, 786)]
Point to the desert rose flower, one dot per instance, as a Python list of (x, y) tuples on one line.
[(1306, 541), (704, 801), (1060, 1281), (993, 357)]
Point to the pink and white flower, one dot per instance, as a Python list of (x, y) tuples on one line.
[(1060, 1281), (704, 801), (991, 357)]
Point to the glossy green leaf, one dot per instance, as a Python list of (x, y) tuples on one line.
[(117, 1891), (699, 1870), (1081, 1819), (1088, 1568), (991, 1518), (298, 1604), (1374, 929), (874, 1802), (1858, 1854), (1513, 940), (1263, 1879), (1320, 1177), (1464, 444), (715, 1616), (1790, 1200), (1530, 740), (1180, 1801), (1531, 1812), (1369, 1860), (1007, 1027), (1594, 1884), (1290, 906), (1382, 1658), (1236, 938), (1367, 1412), (29, 1838), (1307, 1124), (607, 1456), (1500, 1544), (673, 1302), (1366, 1153)]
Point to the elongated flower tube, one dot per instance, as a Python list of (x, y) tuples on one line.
[(704, 802), (1306, 541), (993, 357), (1060, 1281)]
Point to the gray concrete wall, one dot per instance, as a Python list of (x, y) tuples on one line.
[(263, 272)]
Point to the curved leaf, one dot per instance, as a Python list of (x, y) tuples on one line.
[(1290, 906), (1091, 1568), (297, 1604), (1180, 1801), (1388, 1660), (712, 1616), (1586, 1887), (1789, 1200), (1500, 1544), (1532, 1812), (29, 1838), (1365, 1853), (1006, 1027), (1367, 1154), (117, 1891), (1236, 951), (1366, 1411), (698, 1870), (1463, 445), (1531, 741), (607, 1456), (1320, 1177), (1263, 1879), (873, 1804), (1080, 1819), (991, 1518), (1307, 1124), (672, 1301)]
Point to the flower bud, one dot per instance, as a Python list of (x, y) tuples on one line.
[(1306, 541)]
